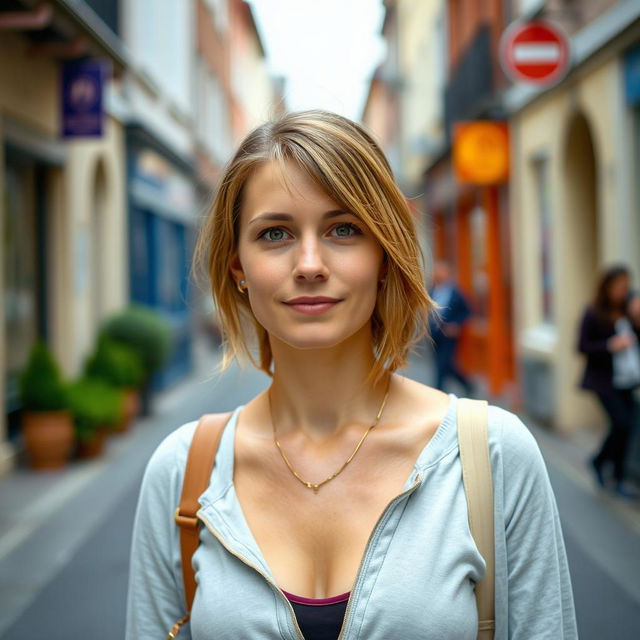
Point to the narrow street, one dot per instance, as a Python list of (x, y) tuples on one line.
[(63, 565)]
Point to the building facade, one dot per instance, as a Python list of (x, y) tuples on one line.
[(63, 206), (161, 172), (442, 69), (575, 191)]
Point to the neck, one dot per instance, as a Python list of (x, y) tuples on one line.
[(320, 392)]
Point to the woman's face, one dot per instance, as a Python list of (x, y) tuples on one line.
[(619, 289), (300, 243)]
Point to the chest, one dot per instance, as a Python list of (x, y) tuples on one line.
[(312, 542), (419, 569)]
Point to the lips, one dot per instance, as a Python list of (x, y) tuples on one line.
[(311, 300), (312, 305)]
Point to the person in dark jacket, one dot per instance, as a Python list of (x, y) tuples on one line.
[(446, 324), (609, 337)]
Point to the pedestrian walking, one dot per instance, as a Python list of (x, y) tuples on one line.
[(446, 325), (336, 506), (608, 337)]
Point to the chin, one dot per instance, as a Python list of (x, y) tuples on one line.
[(310, 338), (312, 342)]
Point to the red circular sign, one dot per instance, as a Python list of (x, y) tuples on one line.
[(534, 52)]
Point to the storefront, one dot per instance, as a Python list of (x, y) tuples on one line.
[(26, 248), (470, 230), (161, 235), (62, 224)]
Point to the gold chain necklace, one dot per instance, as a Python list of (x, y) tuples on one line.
[(313, 485)]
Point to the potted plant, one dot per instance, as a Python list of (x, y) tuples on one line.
[(119, 366), (149, 335), (47, 426), (96, 407)]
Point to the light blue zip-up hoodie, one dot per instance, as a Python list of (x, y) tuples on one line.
[(418, 571)]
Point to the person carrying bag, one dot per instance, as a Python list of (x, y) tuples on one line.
[(347, 501)]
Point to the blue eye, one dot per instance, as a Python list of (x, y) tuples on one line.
[(278, 234), (351, 229), (273, 234)]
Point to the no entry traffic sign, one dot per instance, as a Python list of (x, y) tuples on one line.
[(535, 52)]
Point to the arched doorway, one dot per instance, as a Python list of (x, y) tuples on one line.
[(578, 260), (580, 253)]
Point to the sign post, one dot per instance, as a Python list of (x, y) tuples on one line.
[(535, 52)]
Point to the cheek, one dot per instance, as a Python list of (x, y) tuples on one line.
[(265, 278), (363, 270), (265, 275)]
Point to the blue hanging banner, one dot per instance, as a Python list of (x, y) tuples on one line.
[(82, 98)]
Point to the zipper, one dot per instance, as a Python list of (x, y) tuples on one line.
[(357, 581), (275, 587), (254, 567)]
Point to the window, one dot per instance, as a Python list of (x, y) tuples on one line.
[(22, 288), (541, 177)]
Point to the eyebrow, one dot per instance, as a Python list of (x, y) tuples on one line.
[(273, 215)]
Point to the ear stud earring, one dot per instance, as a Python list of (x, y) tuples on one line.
[(241, 287)]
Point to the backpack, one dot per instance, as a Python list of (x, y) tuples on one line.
[(476, 477)]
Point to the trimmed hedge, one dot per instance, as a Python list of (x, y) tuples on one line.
[(41, 385), (93, 404), (116, 363), (146, 332)]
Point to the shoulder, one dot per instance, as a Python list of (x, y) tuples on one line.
[(173, 449), (170, 456), (457, 294), (590, 315), (164, 472), (512, 441)]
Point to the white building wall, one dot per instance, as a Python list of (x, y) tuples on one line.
[(422, 60), (160, 36)]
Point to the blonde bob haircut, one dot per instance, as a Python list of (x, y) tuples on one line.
[(349, 166)]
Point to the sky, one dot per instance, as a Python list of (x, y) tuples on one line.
[(326, 49)]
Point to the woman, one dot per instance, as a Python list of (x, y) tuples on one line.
[(317, 525), (609, 334)]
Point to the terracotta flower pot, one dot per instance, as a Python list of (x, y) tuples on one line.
[(130, 409), (95, 446), (48, 438)]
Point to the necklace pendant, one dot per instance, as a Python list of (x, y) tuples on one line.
[(315, 488)]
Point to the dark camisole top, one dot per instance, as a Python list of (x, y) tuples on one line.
[(319, 618)]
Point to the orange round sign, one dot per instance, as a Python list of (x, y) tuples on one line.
[(481, 152)]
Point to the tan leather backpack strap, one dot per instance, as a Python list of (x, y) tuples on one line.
[(197, 475), (478, 484)]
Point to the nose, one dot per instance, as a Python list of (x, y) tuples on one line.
[(309, 261)]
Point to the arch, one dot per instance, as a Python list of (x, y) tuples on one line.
[(581, 187)]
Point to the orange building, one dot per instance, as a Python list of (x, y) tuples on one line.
[(470, 216)]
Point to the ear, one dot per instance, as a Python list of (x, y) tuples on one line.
[(235, 267)]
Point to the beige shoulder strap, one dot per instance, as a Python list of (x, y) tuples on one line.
[(478, 485), (197, 474)]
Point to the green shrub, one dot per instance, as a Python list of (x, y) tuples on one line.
[(145, 331), (116, 363), (41, 384), (93, 404)]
